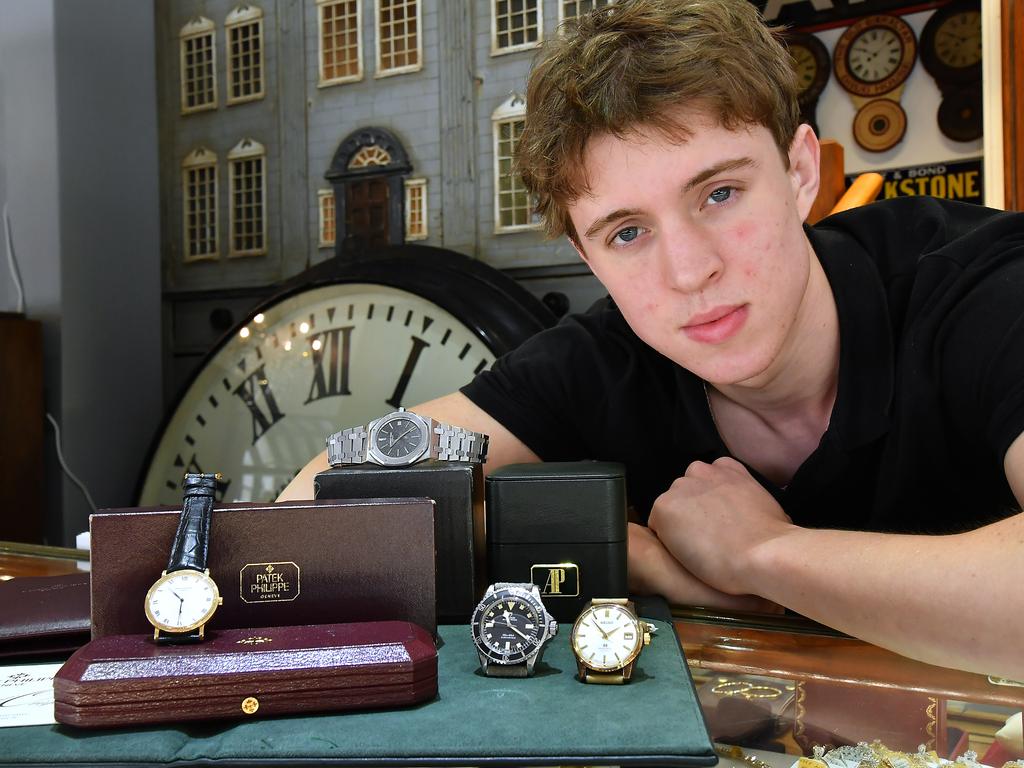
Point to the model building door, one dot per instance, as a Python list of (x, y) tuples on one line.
[(366, 212)]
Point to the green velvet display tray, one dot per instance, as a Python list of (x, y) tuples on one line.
[(550, 719)]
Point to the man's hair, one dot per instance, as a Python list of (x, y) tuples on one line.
[(629, 64)]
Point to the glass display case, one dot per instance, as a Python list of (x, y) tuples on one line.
[(775, 689)]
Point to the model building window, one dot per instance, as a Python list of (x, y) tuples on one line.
[(399, 46), (515, 25), (415, 209), (198, 65), (327, 224), (244, 27), (247, 164), (572, 9), (513, 206), (341, 47), (199, 204)]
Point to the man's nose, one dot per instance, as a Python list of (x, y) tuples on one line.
[(690, 261)]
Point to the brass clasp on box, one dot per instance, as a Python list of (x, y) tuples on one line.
[(556, 579), (250, 704)]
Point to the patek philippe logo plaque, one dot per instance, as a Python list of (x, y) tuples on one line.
[(269, 582), (556, 579)]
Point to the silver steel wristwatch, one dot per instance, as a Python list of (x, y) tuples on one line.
[(510, 629), (401, 438)]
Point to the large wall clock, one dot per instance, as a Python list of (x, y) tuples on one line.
[(951, 53), (873, 59), (341, 344)]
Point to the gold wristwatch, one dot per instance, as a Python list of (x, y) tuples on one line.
[(607, 639)]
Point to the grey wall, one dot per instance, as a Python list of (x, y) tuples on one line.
[(78, 149)]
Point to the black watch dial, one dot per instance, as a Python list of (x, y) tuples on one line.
[(400, 437), (507, 628)]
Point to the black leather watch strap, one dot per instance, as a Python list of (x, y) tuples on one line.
[(192, 539)]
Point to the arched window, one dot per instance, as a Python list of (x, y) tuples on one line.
[(513, 206), (199, 204), (244, 32), (198, 66), (248, 194)]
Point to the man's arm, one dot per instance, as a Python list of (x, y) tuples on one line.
[(456, 408), (950, 600)]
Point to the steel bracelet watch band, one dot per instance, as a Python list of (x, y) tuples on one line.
[(349, 446), (424, 439)]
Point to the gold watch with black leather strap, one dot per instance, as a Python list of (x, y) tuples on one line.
[(607, 639)]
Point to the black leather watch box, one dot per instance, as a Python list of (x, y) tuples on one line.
[(562, 526), (457, 489)]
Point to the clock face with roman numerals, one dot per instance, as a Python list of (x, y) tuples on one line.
[(326, 358)]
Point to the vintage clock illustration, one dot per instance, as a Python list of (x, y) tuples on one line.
[(951, 53), (873, 59), (340, 345), (812, 66)]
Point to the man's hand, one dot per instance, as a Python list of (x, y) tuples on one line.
[(713, 519), (653, 571)]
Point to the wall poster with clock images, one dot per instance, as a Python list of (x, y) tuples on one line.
[(341, 344)]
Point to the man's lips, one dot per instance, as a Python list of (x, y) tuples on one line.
[(716, 325)]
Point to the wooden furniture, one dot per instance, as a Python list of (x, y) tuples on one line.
[(21, 428), (833, 194)]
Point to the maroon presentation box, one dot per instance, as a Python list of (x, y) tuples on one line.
[(276, 564), (124, 680)]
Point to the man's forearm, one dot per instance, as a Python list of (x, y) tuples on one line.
[(949, 600)]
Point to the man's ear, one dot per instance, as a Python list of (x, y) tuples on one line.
[(804, 168)]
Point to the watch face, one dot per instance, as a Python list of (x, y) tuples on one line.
[(182, 600), (806, 67), (508, 627), (400, 439), (811, 64), (875, 55), (951, 45), (318, 361), (958, 40), (606, 637)]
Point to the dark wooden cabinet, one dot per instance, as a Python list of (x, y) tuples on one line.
[(21, 429)]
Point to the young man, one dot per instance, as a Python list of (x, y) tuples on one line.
[(828, 419)]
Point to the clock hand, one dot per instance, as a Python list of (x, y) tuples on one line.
[(514, 629)]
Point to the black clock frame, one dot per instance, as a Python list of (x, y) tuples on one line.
[(822, 60), (499, 311), (944, 74)]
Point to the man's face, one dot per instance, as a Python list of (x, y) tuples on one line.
[(700, 243)]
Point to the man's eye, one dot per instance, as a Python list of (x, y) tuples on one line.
[(720, 195), (626, 235)]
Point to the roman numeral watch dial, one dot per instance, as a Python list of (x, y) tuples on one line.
[(342, 344)]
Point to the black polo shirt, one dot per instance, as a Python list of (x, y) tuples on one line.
[(930, 297)]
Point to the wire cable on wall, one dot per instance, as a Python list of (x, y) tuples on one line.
[(13, 263), (64, 465)]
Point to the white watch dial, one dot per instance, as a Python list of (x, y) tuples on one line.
[(182, 600), (606, 637)]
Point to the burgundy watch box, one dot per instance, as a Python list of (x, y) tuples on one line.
[(276, 564), (123, 680), (44, 615)]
